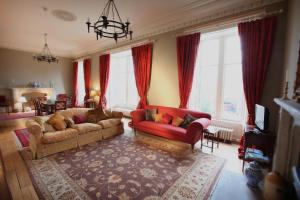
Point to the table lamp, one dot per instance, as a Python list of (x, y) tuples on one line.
[(22, 100)]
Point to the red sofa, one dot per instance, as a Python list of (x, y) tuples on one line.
[(191, 135)]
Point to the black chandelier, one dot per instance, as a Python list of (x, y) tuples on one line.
[(45, 55), (110, 27)]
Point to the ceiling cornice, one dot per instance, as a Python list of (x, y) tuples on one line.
[(171, 24)]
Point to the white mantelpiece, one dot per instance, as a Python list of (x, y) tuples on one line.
[(287, 150), (18, 92)]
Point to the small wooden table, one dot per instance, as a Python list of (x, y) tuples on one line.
[(49, 107), (212, 135)]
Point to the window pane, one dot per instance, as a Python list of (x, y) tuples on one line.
[(204, 92), (232, 51), (208, 52), (81, 87), (233, 96), (121, 90)]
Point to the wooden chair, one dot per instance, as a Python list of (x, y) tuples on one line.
[(40, 110), (60, 105), (4, 103), (64, 97)]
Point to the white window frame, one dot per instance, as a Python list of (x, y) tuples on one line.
[(127, 72), (220, 78)]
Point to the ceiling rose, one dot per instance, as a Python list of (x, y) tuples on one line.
[(64, 15), (45, 55), (110, 24)]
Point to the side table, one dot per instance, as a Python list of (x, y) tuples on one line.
[(212, 135)]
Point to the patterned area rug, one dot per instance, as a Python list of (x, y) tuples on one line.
[(126, 168)]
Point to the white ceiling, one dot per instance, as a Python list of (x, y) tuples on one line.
[(23, 22)]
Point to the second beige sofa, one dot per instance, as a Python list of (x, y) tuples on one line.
[(43, 143)]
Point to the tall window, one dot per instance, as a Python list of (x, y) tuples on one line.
[(121, 91), (217, 86), (81, 88)]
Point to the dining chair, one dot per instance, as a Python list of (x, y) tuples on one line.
[(65, 97), (39, 108), (60, 105)]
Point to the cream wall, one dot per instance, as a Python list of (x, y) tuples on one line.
[(164, 78), (274, 79), (17, 68)]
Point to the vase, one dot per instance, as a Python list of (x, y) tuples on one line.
[(254, 174)]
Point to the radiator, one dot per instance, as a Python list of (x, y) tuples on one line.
[(225, 133)]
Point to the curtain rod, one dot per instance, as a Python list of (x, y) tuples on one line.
[(226, 22), (127, 46), (81, 58)]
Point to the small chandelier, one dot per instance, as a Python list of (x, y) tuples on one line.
[(45, 55), (110, 28)]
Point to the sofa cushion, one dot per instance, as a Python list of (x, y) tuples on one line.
[(163, 130), (177, 121), (69, 121), (95, 115), (48, 127), (158, 118), (166, 118), (55, 117), (41, 120), (58, 136), (86, 127), (188, 119), (57, 121), (149, 114), (109, 122), (79, 119), (59, 125)]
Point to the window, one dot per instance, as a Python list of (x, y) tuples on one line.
[(217, 86), (121, 91), (80, 84)]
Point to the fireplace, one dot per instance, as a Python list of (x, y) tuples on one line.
[(29, 94), (287, 151)]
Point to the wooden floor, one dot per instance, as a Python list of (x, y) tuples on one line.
[(16, 178), (231, 184)]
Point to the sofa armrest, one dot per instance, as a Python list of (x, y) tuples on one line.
[(195, 129), (137, 116), (35, 129)]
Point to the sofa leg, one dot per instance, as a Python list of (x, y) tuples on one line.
[(192, 145)]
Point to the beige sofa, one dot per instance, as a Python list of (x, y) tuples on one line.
[(45, 143)]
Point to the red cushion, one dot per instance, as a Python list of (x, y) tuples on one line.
[(179, 112), (166, 118), (79, 119)]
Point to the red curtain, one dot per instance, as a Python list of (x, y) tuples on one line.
[(104, 63), (75, 72), (187, 49), (256, 43), (142, 58), (87, 78)]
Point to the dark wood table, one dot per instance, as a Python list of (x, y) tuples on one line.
[(49, 107), (212, 136)]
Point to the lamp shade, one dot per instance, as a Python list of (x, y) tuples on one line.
[(22, 100), (93, 93)]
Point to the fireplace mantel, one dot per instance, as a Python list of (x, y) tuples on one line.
[(17, 92), (287, 152)]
